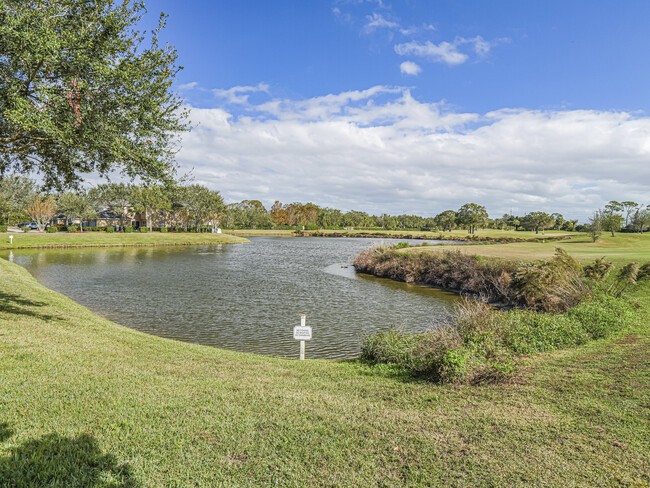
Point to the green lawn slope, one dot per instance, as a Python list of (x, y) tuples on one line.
[(86, 402)]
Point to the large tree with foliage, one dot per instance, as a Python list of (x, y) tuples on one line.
[(446, 220), (470, 215), (41, 209), (203, 205), (151, 200), (538, 220), (82, 90), (76, 205)]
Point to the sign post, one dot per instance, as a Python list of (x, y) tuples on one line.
[(302, 333)]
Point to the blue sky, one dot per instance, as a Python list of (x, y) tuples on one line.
[(416, 106)]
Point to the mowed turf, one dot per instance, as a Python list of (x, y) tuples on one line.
[(25, 240), (86, 402), (620, 249)]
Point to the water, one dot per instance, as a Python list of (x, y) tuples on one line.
[(245, 297)]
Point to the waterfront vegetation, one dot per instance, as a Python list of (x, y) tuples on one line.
[(557, 303), (85, 402)]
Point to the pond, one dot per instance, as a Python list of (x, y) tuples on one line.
[(244, 297)]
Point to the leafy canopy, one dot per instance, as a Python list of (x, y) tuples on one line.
[(81, 90)]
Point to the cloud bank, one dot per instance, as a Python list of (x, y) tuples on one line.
[(382, 150)]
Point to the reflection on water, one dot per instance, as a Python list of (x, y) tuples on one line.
[(245, 296)]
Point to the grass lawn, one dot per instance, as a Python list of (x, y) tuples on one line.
[(86, 402), (261, 232), (621, 249), (90, 239)]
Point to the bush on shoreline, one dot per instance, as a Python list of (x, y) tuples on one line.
[(556, 304), (484, 344)]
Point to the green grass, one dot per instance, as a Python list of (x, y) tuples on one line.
[(86, 402), (262, 232), (621, 249), (98, 239)]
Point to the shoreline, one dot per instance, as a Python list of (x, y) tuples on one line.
[(159, 244)]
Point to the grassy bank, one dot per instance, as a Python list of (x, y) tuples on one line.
[(621, 249), (85, 402), (104, 239), (486, 235)]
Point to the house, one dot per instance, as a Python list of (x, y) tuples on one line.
[(107, 218)]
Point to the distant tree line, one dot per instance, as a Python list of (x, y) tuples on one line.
[(181, 207), (191, 206)]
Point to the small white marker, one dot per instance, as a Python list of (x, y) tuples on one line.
[(302, 333), (11, 239)]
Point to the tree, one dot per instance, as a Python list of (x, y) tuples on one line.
[(116, 197), (248, 214), (470, 215), (641, 219), (559, 220), (278, 213), (446, 220), (41, 209), (610, 220), (15, 194), (595, 225), (76, 205), (203, 204), (82, 91), (331, 217), (538, 220), (628, 207), (150, 199)]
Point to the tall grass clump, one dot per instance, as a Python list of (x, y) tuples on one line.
[(560, 304)]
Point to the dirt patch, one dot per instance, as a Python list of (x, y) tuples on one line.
[(628, 339)]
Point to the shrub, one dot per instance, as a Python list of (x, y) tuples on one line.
[(144, 229), (164, 229), (128, 228), (3, 228), (598, 270), (25, 228), (402, 245), (110, 228), (389, 346), (73, 228), (483, 343), (51, 229)]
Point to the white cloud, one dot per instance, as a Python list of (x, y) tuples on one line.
[(444, 52), (447, 52), (240, 94), (410, 68), (188, 86), (380, 150), (378, 21)]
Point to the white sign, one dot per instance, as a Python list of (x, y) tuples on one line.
[(302, 333)]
